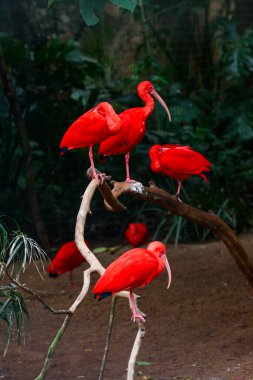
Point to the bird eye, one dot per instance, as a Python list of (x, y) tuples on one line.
[(100, 110)]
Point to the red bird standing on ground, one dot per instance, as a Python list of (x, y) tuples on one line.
[(91, 128), (135, 268), (178, 162), (67, 258), (136, 234), (133, 126)]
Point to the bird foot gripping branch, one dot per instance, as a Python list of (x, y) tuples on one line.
[(100, 177)]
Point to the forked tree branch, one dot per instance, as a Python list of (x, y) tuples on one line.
[(206, 219), (95, 266)]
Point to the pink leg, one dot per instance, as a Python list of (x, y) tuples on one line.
[(98, 177), (178, 190), (71, 282), (127, 159), (92, 163), (135, 314)]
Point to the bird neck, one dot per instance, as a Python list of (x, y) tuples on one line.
[(113, 121), (149, 102), (155, 164)]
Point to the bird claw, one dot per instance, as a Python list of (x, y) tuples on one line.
[(139, 316), (128, 180), (177, 198), (100, 178)]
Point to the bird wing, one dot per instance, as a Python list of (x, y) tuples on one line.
[(118, 143), (183, 160), (67, 258), (132, 131), (89, 129), (136, 268)]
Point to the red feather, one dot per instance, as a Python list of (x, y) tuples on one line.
[(178, 162), (136, 234), (67, 258)]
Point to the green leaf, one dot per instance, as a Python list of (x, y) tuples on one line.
[(87, 12), (50, 2), (100, 249), (143, 363), (126, 4)]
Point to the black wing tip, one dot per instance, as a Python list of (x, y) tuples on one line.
[(208, 173), (63, 150), (53, 275), (101, 296)]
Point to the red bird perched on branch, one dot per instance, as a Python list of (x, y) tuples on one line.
[(91, 128), (136, 234), (67, 258), (178, 162), (133, 126), (135, 268)]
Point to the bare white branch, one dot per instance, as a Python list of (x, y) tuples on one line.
[(95, 265), (135, 350)]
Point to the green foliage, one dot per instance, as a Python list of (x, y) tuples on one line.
[(13, 312), (211, 111), (236, 57), (89, 9), (17, 251)]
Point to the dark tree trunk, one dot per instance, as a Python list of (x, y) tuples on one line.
[(24, 142)]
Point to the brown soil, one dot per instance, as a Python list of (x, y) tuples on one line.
[(201, 328)]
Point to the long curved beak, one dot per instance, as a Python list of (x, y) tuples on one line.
[(158, 97), (167, 265)]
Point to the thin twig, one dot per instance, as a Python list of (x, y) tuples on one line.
[(35, 295), (135, 350), (108, 338), (60, 332), (52, 347)]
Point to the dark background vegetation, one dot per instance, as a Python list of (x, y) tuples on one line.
[(198, 54)]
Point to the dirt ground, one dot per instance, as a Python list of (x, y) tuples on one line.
[(201, 328)]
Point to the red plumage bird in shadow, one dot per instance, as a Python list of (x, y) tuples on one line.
[(136, 234), (134, 269), (67, 259), (133, 126), (91, 128), (178, 162)]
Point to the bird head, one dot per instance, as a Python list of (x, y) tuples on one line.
[(159, 249), (112, 119), (148, 88)]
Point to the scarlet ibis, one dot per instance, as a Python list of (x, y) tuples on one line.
[(135, 268), (133, 126), (136, 234), (178, 162), (67, 258), (91, 128)]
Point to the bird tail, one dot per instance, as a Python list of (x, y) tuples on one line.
[(101, 296), (206, 174)]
